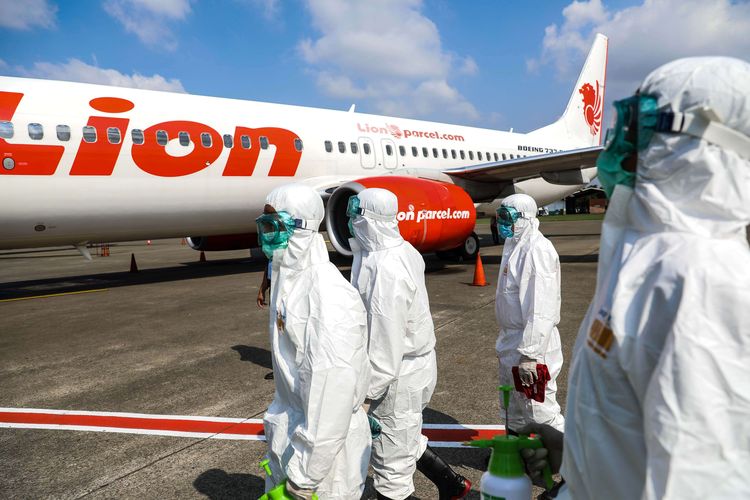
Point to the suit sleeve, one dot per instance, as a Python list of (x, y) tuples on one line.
[(539, 291), (696, 402), (390, 296)]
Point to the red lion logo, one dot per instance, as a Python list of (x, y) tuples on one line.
[(592, 106), (395, 131)]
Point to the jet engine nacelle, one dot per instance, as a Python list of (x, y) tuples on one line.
[(432, 216), (223, 242)]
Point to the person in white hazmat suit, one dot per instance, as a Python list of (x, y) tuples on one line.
[(527, 309), (658, 400), (389, 274), (318, 434)]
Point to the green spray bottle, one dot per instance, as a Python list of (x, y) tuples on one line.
[(278, 492), (505, 478)]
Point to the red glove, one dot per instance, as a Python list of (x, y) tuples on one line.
[(537, 389)]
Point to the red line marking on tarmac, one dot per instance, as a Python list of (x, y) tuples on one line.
[(445, 435)]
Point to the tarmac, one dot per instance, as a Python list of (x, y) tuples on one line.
[(183, 337)]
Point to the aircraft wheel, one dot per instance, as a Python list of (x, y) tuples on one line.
[(470, 248)]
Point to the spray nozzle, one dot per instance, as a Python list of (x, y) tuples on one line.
[(506, 456)]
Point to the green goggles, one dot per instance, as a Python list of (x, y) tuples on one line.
[(276, 228), (353, 209), (638, 118), (507, 216)]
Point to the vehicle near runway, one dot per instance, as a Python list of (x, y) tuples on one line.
[(89, 163)]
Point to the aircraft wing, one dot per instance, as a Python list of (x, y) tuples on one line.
[(559, 168)]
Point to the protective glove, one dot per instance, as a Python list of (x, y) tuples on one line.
[(298, 493), (527, 371), (375, 428), (536, 459)]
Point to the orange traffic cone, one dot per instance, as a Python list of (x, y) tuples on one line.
[(133, 265), (183, 242), (479, 273), (203, 257), (148, 242)]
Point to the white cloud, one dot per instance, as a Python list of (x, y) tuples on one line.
[(78, 71), (645, 36), (3, 64), (387, 52), (24, 15), (150, 20)]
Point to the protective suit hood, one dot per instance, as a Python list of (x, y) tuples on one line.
[(686, 184), (306, 245), (377, 230), (526, 227)]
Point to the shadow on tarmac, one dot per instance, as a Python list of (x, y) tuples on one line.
[(253, 354), (190, 270), (216, 484)]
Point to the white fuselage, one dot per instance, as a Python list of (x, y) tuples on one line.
[(82, 201)]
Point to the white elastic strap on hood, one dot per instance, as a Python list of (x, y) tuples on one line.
[(705, 124)]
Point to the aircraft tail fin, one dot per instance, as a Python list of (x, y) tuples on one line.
[(581, 124)]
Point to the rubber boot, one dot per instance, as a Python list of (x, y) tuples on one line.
[(450, 485)]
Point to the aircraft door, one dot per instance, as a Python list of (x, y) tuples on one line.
[(366, 152), (390, 160)]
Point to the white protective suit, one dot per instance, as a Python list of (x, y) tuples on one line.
[(389, 274), (658, 400), (318, 434), (527, 309)]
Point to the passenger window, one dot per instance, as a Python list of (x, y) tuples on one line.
[(471, 155), (504, 158), (184, 138), (463, 156), (496, 158), (434, 152), (228, 142), (353, 147), (137, 136), (63, 132), (245, 142), (263, 142), (388, 150), (206, 139), (511, 156), (453, 154), (113, 135), (89, 134), (445, 153), (402, 151), (488, 156), (298, 144), (36, 132), (366, 148), (6, 130), (329, 146), (161, 137), (479, 155), (425, 153), (414, 151), (342, 147)]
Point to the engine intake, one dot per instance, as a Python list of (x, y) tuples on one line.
[(432, 216), (223, 242)]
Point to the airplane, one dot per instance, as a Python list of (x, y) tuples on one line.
[(86, 163)]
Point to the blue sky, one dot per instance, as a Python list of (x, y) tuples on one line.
[(495, 64)]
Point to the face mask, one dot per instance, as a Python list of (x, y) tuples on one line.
[(634, 127), (352, 211), (274, 231), (506, 217)]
